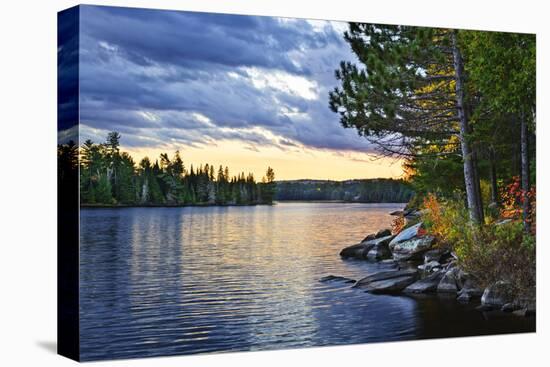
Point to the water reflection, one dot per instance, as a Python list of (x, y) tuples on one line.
[(160, 281)]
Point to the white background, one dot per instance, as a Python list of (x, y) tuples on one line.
[(28, 182)]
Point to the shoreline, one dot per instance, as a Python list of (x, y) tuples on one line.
[(275, 202), (413, 264)]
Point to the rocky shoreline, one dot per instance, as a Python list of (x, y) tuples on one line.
[(413, 263)]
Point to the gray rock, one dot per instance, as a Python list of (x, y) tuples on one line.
[(463, 298), (429, 267), (440, 255), (497, 295), (380, 250), (411, 249), (451, 264), (509, 307), (448, 282), (393, 285), (383, 233), (379, 253), (358, 251), (426, 285), (406, 235), (397, 213), (384, 275), (469, 291), (433, 255), (332, 278), (371, 236), (380, 241)]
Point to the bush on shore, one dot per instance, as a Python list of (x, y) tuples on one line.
[(490, 252)]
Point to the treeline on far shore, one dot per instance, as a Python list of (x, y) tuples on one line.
[(380, 190), (109, 177)]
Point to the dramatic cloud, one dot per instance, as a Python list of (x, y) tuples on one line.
[(166, 78)]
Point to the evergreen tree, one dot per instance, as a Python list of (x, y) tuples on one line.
[(409, 93)]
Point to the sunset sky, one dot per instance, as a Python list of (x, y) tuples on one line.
[(243, 91)]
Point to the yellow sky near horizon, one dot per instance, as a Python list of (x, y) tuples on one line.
[(294, 163)]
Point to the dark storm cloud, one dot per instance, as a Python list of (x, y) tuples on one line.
[(194, 78), (67, 72)]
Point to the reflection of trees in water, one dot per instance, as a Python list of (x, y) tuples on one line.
[(442, 316)]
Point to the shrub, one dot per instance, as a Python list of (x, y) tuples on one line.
[(500, 252), (489, 252), (445, 220), (397, 224), (512, 202)]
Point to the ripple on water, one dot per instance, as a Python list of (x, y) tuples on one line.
[(165, 281)]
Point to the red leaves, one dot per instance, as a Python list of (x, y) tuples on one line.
[(513, 198)]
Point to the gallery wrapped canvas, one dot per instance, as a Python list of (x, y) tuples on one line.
[(239, 183)]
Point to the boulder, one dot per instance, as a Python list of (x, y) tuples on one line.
[(469, 291), (383, 233), (448, 283), (463, 297), (380, 241), (392, 285), (426, 285), (380, 250), (406, 235), (397, 213), (510, 307), (358, 251), (384, 275), (361, 250), (379, 253), (429, 267), (411, 249), (451, 264), (433, 255), (371, 236), (333, 278), (437, 254), (497, 295)]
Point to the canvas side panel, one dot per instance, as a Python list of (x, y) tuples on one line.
[(68, 343)]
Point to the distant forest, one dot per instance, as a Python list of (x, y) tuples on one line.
[(378, 190), (111, 177)]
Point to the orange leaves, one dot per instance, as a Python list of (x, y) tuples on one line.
[(397, 224)]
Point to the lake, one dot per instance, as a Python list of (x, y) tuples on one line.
[(168, 281)]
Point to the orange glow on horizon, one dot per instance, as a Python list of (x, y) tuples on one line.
[(295, 163)]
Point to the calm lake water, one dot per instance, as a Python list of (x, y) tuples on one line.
[(166, 281)]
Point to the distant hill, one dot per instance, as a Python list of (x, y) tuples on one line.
[(380, 190)]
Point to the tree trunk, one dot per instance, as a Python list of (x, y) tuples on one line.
[(494, 187), (525, 184), (471, 178)]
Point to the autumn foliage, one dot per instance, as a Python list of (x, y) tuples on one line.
[(513, 198)]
